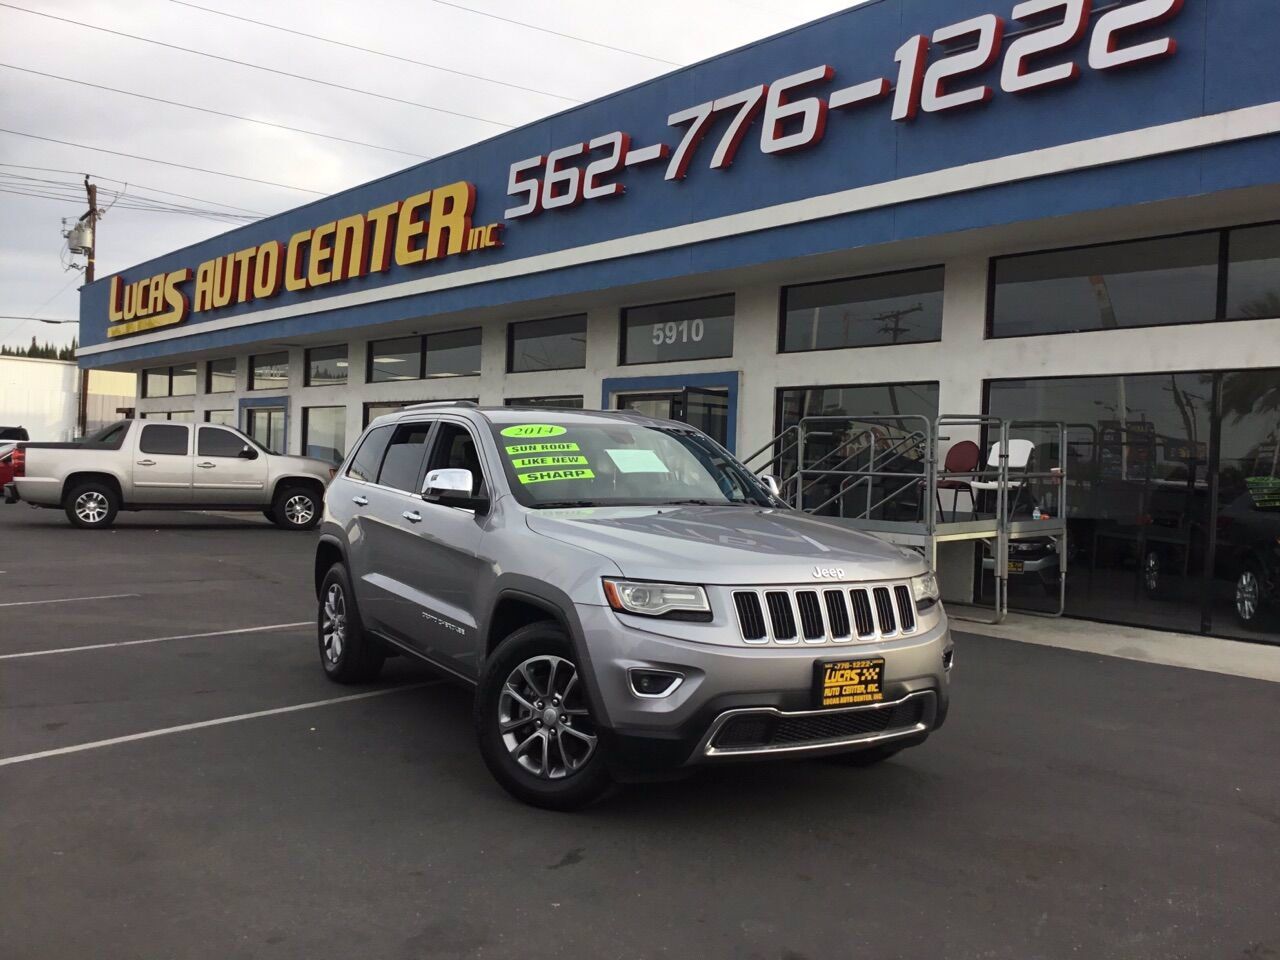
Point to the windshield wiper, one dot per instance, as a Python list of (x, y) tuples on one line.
[(556, 504), (694, 502)]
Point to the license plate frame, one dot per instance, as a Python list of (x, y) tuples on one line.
[(1017, 566), (836, 687)]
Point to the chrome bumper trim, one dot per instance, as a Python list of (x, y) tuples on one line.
[(706, 751)]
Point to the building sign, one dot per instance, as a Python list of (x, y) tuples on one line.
[(419, 229), (794, 110), (934, 73)]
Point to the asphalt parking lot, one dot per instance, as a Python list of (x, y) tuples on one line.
[(1074, 806)]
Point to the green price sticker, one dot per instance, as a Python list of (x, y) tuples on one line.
[(544, 476), (521, 449), (533, 430), (525, 463)]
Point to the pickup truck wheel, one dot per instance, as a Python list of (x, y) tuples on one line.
[(92, 506), (347, 653), (536, 732), (296, 508)]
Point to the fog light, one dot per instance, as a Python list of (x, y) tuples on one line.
[(654, 684)]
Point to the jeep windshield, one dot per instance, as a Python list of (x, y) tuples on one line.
[(608, 464)]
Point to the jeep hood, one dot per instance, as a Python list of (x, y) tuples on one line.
[(727, 545)]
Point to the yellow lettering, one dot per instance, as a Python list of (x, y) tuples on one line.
[(409, 228), (348, 248), (379, 236), (244, 273), (204, 286), (293, 263), (321, 252), (450, 223), (267, 275)]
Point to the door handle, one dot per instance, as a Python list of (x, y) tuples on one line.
[(206, 465), (146, 463), (360, 501), (413, 516)]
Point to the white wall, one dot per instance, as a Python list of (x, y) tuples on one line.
[(39, 395), (960, 362)]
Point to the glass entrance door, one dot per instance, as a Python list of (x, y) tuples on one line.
[(266, 425), (708, 410)]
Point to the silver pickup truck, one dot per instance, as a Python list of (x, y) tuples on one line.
[(136, 465)]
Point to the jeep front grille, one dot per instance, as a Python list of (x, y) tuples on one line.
[(790, 616)]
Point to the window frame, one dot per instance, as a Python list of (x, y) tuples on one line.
[(166, 424), (432, 424), (434, 442), (778, 391), (306, 365), (168, 379), (1223, 280), (511, 341), (306, 424), (422, 358), (622, 331), (782, 309), (202, 427), (252, 357), (426, 350), (355, 454), (208, 376)]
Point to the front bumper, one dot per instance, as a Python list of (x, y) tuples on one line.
[(772, 684), (1037, 565)]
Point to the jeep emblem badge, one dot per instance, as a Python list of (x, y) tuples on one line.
[(828, 573)]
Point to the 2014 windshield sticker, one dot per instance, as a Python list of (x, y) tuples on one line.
[(533, 430), (521, 449), (544, 476), (526, 463)]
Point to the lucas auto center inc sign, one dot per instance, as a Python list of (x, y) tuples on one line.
[(934, 74)]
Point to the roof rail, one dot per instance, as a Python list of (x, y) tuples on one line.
[(442, 403)]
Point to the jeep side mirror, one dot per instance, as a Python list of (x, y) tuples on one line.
[(248, 453), (771, 484), (451, 487)]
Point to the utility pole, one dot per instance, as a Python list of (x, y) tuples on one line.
[(91, 191)]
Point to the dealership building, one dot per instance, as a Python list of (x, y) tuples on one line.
[(1062, 210)]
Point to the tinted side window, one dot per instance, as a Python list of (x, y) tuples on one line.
[(455, 449), (364, 465), (219, 443), (164, 438), (403, 463)]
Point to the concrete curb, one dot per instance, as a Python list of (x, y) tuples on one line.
[(1258, 661)]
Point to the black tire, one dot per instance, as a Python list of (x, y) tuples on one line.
[(358, 657), (92, 505), (297, 508), (270, 514), (583, 776), (868, 757)]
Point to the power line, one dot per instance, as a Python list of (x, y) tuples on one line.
[(137, 186), (376, 53), (216, 113), (167, 163), (215, 215), (556, 33), (258, 66), (39, 319)]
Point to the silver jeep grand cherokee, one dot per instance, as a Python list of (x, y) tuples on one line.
[(624, 595)]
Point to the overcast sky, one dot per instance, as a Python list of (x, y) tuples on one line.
[(33, 280)]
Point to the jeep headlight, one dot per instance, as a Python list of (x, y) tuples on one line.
[(675, 601), (925, 589)]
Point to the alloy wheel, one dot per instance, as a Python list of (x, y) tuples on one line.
[(91, 507), (1248, 591), (543, 718), (299, 510), (333, 623)]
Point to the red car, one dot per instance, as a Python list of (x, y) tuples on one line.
[(6, 463)]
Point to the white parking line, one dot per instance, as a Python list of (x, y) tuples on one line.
[(183, 728), (134, 643), (109, 596)]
